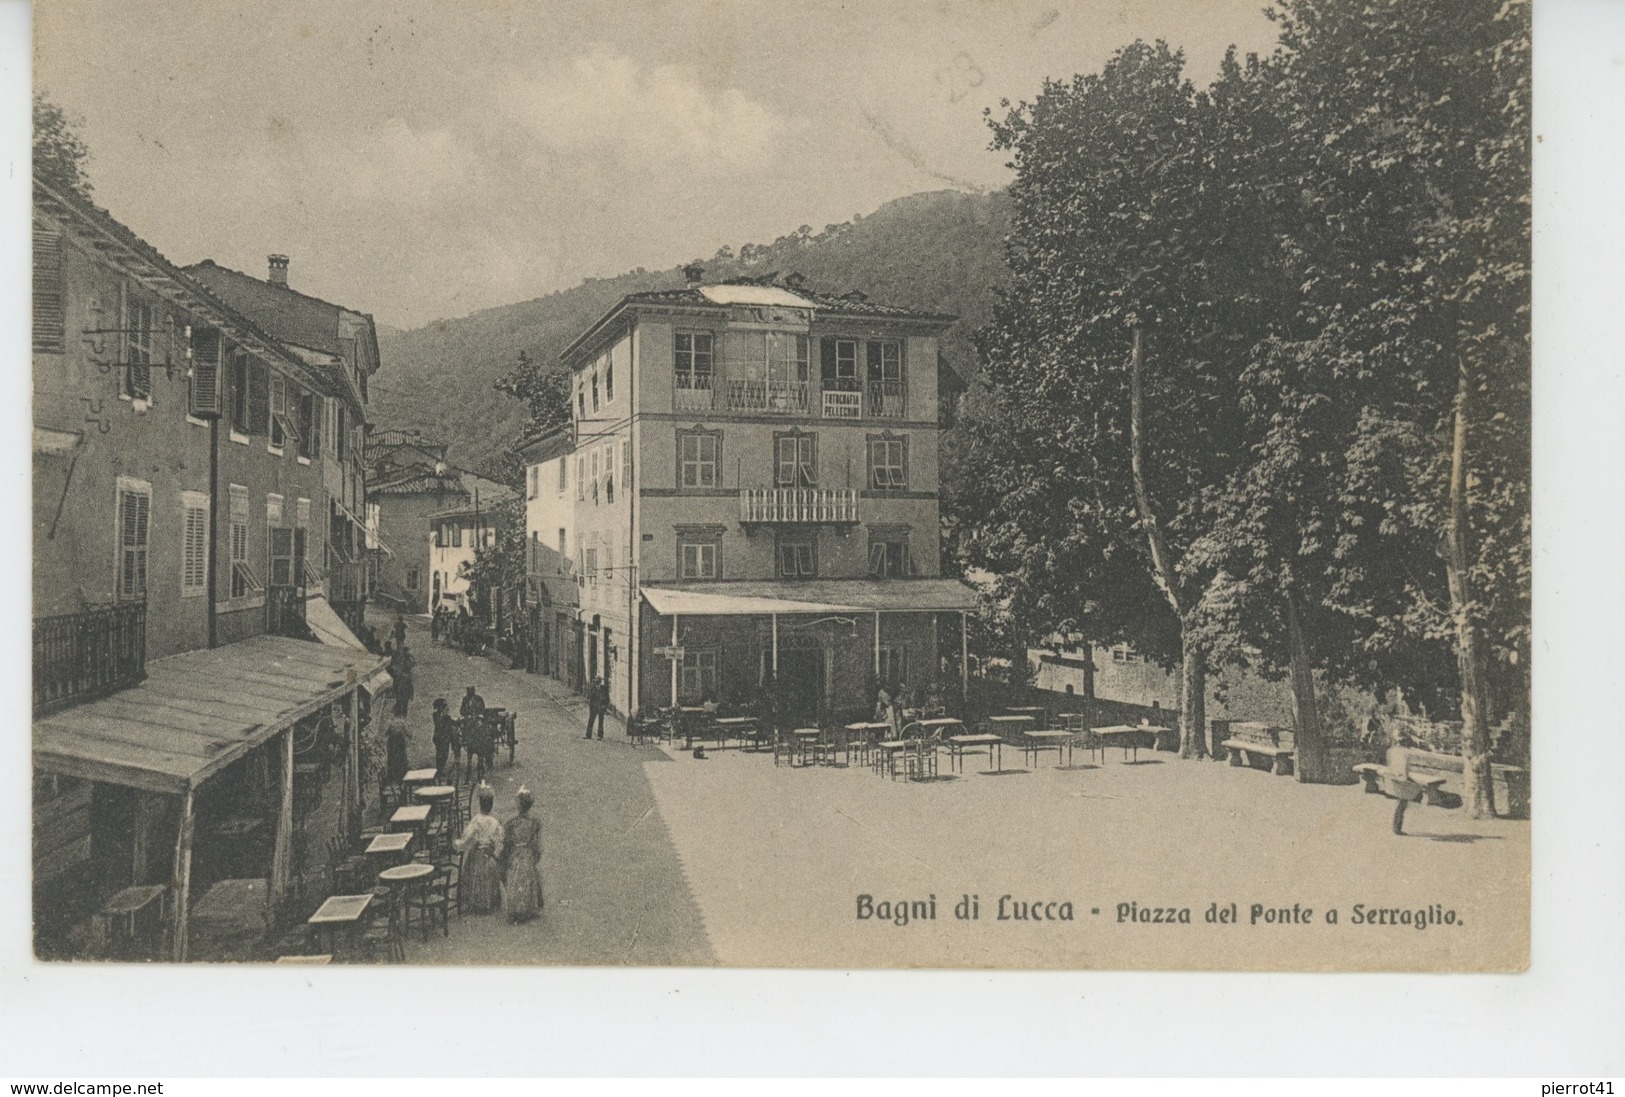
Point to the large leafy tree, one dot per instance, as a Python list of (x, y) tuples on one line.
[(1111, 361), (60, 154)]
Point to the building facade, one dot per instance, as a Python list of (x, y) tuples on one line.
[(178, 509), (754, 486), (408, 482)]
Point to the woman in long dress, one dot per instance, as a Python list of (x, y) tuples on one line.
[(481, 845), (522, 854)]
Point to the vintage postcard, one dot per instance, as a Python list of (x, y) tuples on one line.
[(899, 485)]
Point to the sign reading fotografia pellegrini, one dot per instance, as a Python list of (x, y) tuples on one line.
[(481, 517)]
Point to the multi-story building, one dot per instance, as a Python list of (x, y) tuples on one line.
[(552, 597), (325, 430), (408, 482), (456, 535), (754, 485), (176, 509)]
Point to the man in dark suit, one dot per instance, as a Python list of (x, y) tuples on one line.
[(597, 702)]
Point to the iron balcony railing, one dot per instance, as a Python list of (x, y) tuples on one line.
[(347, 581), (887, 399), (693, 392), (812, 505), (768, 397), (78, 656), (285, 612)]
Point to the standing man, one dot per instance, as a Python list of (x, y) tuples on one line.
[(399, 631), (597, 702), (400, 669), (445, 736)]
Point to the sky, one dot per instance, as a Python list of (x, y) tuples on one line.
[(426, 160)]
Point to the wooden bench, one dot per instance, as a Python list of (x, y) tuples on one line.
[(1251, 742)]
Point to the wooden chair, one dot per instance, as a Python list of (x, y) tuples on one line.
[(920, 759), (385, 932), (437, 897), (390, 794)]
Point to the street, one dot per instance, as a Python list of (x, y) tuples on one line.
[(613, 885)]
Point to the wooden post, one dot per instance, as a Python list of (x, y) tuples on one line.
[(775, 647), (964, 660), (181, 878), (282, 854), (353, 793), (674, 661), (878, 683)]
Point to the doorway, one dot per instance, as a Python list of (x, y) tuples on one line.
[(801, 680)]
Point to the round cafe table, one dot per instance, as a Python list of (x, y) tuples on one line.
[(404, 880), (442, 801)]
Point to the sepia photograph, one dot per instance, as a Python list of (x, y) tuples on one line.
[(1020, 485)]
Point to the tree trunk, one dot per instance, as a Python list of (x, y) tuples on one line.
[(1477, 791), (1192, 700), (1088, 671), (1311, 763), (1193, 676)]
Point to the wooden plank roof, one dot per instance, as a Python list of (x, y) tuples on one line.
[(198, 712)]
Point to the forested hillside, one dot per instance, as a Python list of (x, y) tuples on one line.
[(940, 251)]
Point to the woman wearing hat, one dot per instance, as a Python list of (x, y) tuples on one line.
[(522, 856), (481, 847)]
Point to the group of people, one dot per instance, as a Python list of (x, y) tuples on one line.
[(470, 732), (502, 862)]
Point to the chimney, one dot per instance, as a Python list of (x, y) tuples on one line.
[(279, 270), (692, 274)]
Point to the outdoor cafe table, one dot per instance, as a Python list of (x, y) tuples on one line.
[(404, 879), (1037, 712), (419, 777), (339, 912), (739, 725), (1129, 736), (389, 845), (413, 817), (958, 743), (1057, 740)]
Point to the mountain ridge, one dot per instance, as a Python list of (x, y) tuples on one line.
[(939, 251)]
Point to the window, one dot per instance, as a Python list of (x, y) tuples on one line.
[(50, 318), (194, 544), (697, 676), (893, 663), (564, 473), (797, 556), (595, 471), (239, 392), (693, 359), (888, 463), (839, 364), (279, 411), (626, 464), (411, 578), (203, 396), (341, 440), (138, 350), (280, 539), (609, 472), (243, 580), (309, 407), (589, 566), (796, 460), (301, 542), (533, 479), (885, 360), (594, 390), (888, 554), (581, 402), (564, 542), (134, 523), (699, 458), (699, 555), (456, 535), (581, 479), (609, 380)]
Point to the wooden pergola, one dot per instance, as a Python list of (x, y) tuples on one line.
[(195, 715)]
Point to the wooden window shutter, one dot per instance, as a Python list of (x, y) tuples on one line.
[(826, 360), (259, 398), (50, 319), (205, 395)]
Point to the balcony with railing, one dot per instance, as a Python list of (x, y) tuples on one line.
[(768, 397), (78, 656), (888, 399), (693, 392), (798, 505)]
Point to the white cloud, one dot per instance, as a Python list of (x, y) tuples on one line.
[(607, 105)]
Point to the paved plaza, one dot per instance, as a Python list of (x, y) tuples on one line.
[(654, 857)]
